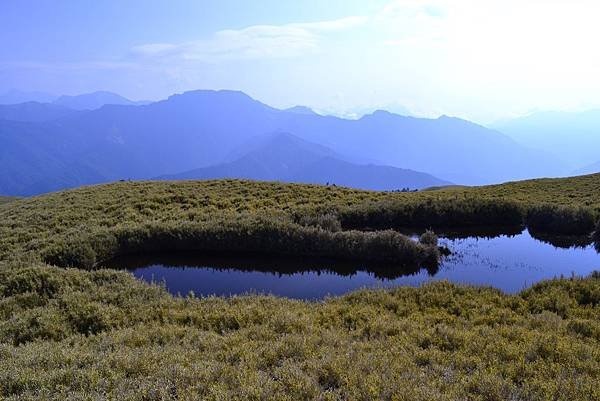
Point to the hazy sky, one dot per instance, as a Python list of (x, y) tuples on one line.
[(478, 59)]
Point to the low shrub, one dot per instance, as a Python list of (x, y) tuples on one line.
[(74, 253), (456, 213), (327, 221), (428, 238), (249, 235), (106, 335), (561, 219)]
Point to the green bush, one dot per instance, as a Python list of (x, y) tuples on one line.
[(244, 235), (31, 227), (455, 213), (74, 253), (428, 238), (561, 219), (32, 280), (327, 221)]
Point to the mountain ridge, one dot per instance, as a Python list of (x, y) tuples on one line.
[(287, 158), (94, 100), (201, 128)]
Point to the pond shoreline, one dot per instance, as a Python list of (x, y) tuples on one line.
[(508, 262)]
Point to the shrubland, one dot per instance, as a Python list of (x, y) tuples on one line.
[(31, 227), (6, 199), (74, 334), (68, 333), (244, 235)]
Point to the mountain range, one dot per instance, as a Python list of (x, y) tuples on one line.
[(574, 137), (285, 157), (200, 129), (95, 100), (85, 101)]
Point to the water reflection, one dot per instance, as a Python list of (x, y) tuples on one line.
[(473, 232), (276, 265), (510, 262), (564, 241)]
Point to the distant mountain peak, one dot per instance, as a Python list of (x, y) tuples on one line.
[(280, 142), (94, 100), (383, 115), (201, 128), (224, 97), (282, 156), (381, 112), (196, 93), (301, 110)]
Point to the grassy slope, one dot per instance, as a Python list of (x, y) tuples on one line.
[(573, 191), (105, 334), (6, 199), (29, 224)]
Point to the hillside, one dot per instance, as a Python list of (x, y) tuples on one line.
[(6, 199), (201, 128), (34, 161), (455, 149), (287, 158), (62, 215), (76, 333), (572, 191)]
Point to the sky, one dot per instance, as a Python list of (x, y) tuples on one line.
[(484, 60)]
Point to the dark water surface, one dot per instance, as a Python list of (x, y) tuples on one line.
[(510, 263)]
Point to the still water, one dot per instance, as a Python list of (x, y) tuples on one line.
[(508, 262)]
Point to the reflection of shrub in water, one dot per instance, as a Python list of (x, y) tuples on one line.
[(265, 263), (562, 241)]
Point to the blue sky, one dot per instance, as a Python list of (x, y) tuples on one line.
[(478, 59)]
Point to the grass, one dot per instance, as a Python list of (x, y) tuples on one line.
[(6, 199), (75, 334), (30, 227), (246, 235), (72, 334)]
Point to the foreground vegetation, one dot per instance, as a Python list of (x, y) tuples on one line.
[(76, 334), (72, 334)]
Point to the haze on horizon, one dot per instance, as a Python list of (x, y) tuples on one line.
[(482, 60)]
